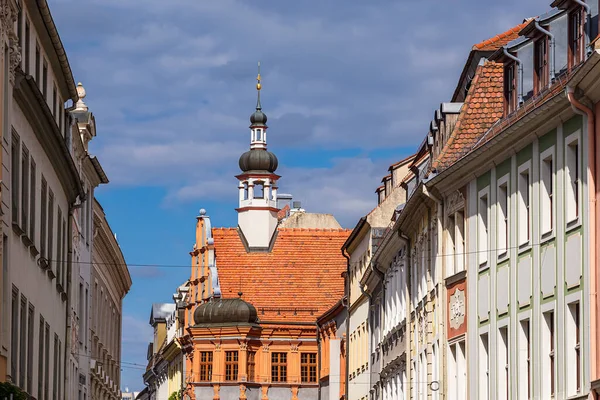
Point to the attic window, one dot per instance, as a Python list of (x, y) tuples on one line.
[(541, 64), (510, 88), (576, 37)]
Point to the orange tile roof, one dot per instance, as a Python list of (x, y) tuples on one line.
[(483, 106), (502, 39), (302, 272), (281, 214)]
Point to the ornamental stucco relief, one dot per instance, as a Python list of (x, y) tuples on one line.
[(457, 309)]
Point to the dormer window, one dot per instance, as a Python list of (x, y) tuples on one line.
[(541, 64), (510, 87), (576, 37)]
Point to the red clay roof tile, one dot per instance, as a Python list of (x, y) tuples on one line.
[(502, 39)]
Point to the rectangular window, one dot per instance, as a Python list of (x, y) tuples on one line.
[(14, 348), (30, 317), (524, 361), (59, 369), (56, 366), (231, 365), (450, 246), (59, 247), (27, 45), (510, 88), (64, 254), (37, 63), (547, 192), (51, 227), (41, 360), (523, 208), (548, 369), (541, 64), (43, 216), (45, 80), (23, 343), (206, 360), (483, 228), (24, 187), (573, 336), (503, 201), (54, 102), (278, 367), (572, 176), (20, 25), (459, 241), (251, 366), (576, 38), (47, 365), (308, 367), (32, 190), (503, 366), (15, 176)]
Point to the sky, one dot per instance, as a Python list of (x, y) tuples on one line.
[(349, 88)]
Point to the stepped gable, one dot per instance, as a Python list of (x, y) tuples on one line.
[(302, 272)]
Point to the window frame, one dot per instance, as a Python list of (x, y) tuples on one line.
[(231, 365), (251, 366), (483, 224), (15, 150), (279, 367), (308, 367), (547, 191), (510, 87), (205, 365), (573, 188), (503, 216), (541, 64), (524, 207), (576, 45)]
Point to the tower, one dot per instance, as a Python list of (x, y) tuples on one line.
[(257, 211)]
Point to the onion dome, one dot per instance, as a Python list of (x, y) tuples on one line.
[(258, 118), (226, 311), (258, 160)]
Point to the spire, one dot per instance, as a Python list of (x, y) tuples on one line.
[(258, 87)]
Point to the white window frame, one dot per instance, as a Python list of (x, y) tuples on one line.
[(450, 245), (459, 241), (573, 190), (524, 358), (503, 216), (524, 209), (484, 381), (503, 371), (483, 225), (547, 191), (571, 350)]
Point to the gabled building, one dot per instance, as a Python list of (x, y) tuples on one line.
[(257, 290)]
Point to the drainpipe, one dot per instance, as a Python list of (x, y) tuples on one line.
[(594, 168), (552, 52), (520, 72), (72, 208), (588, 25), (347, 257)]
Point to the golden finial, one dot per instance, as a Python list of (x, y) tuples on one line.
[(258, 85)]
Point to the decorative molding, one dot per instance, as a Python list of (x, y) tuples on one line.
[(455, 202), (457, 309)]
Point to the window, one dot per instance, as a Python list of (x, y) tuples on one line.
[(32, 171), (541, 64), (20, 25), (23, 343), (54, 102), (45, 80), (14, 348), (40, 395), (231, 365), (50, 226), (548, 371), (47, 369), (278, 367), (26, 49), (59, 248), (450, 246), (503, 366), (258, 190), (576, 38), (206, 359), (457, 368), (573, 336), (483, 227), (308, 367), (30, 317), (251, 366), (459, 241), (43, 215), (547, 192), (24, 187), (572, 176), (15, 163), (510, 88), (56, 366), (484, 367), (523, 208), (258, 135), (524, 355), (37, 63), (502, 214)]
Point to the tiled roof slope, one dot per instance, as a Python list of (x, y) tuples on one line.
[(302, 272), (483, 106), (502, 39)]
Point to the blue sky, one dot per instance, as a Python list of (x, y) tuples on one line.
[(349, 87)]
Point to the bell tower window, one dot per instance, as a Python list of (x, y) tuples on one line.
[(258, 135), (258, 190)]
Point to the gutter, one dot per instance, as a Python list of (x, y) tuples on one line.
[(347, 344), (552, 53), (594, 213), (520, 71)]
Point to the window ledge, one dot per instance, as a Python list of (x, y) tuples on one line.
[(483, 266), (51, 273), (524, 247), (503, 256), (547, 237), (26, 241), (452, 279), (572, 225), (17, 229), (579, 396), (33, 250)]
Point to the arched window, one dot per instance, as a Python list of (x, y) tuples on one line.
[(258, 190), (259, 135), (245, 190)]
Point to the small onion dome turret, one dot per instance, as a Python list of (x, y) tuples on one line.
[(258, 118), (226, 311), (258, 160)]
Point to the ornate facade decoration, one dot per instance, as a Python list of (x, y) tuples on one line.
[(457, 309)]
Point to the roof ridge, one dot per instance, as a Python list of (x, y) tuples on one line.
[(501, 39)]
